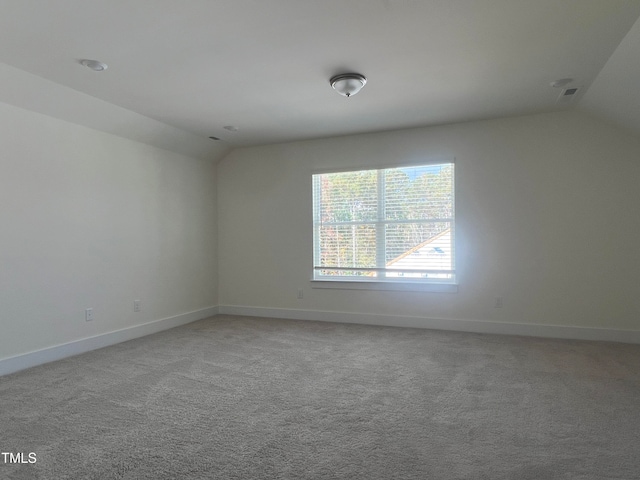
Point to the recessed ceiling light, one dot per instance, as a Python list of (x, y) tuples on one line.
[(231, 128), (214, 138), (94, 65)]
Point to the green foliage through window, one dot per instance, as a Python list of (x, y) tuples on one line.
[(385, 225)]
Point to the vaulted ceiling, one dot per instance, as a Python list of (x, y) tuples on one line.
[(263, 66)]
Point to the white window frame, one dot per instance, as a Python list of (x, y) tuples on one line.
[(384, 283)]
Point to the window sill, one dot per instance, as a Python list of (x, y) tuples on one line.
[(391, 286)]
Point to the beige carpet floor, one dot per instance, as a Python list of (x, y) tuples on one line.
[(250, 398)]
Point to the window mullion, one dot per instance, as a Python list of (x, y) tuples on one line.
[(380, 225), (317, 205)]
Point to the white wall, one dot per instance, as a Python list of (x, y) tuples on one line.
[(89, 219), (546, 219)]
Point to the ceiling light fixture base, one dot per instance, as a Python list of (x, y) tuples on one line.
[(348, 84)]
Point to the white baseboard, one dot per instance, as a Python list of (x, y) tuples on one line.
[(39, 357), (475, 326)]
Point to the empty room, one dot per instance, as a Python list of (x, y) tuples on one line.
[(300, 239)]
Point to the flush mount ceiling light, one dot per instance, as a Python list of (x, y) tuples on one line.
[(348, 84), (94, 65)]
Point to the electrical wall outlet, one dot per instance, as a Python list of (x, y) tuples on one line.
[(498, 302), (137, 306), (300, 293), (88, 315)]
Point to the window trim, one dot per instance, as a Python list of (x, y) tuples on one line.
[(390, 284), (420, 162), (402, 286)]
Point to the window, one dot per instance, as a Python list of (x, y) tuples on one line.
[(388, 225)]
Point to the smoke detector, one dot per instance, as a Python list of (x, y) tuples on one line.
[(94, 65), (562, 82)]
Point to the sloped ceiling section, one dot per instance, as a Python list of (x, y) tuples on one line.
[(37, 94), (615, 93)]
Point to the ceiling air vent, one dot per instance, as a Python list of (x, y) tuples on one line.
[(568, 94)]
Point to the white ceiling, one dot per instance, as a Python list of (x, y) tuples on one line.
[(264, 65), (615, 93)]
